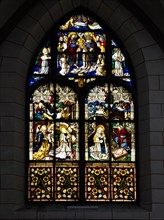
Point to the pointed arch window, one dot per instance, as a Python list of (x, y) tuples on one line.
[(81, 117)]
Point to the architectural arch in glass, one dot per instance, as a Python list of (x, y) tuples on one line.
[(81, 118)]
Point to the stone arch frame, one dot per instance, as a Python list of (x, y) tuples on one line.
[(147, 59)]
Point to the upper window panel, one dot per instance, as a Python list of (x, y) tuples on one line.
[(80, 23), (42, 66), (119, 63), (81, 50), (83, 53)]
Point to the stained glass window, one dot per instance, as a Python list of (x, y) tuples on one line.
[(81, 112)]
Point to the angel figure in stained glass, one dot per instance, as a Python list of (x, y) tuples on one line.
[(64, 151)]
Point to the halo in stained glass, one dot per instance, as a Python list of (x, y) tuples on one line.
[(81, 54), (86, 65), (73, 41), (42, 140)]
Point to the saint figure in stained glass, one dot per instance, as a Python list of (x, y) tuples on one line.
[(99, 150)]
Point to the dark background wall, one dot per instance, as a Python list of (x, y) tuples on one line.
[(139, 24)]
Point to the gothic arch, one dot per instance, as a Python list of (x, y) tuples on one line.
[(17, 52)]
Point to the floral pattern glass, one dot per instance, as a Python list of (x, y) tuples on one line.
[(40, 182), (67, 183), (97, 183), (123, 183)]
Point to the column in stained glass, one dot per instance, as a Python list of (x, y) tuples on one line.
[(97, 178), (40, 182), (66, 182), (123, 181)]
